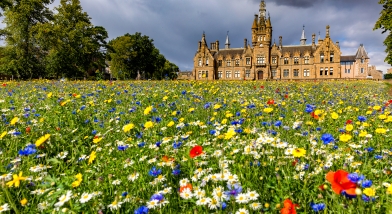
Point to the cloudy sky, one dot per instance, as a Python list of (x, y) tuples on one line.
[(176, 26)]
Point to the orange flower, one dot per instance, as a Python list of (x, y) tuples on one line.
[(339, 181), (188, 186), (288, 207), (166, 159)]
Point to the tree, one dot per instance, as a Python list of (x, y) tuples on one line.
[(75, 47), (22, 55), (385, 23), (130, 54)]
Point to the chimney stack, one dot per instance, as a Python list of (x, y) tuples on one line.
[(280, 42), (217, 45), (245, 43), (337, 44), (327, 32), (313, 39)]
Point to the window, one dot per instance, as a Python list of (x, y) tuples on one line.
[(286, 60), (306, 59), (296, 60), (206, 73), (260, 60), (273, 60), (199, 62), (362, 70), (285, 72), (219, 63), (331, 58), (237, 74), (273, 73), (203, 74), (237, 62), (326, 71), (247, 73), (219, 74), (321, 58), (362, 61), (343, 63), (248, 60), (207, 61), (330, 71), (306, 73), (228, 63), (296, 72), (348, 71), (228, 74), (321, 71), (199, 74)]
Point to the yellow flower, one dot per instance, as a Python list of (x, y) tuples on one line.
[(181, 119), (76, 183), (174, 113), (377, 108), (229, 115), (170, 124), (42, 140), (165, 98), (345, 137), (318, 112), (16, 180), (79, 176), (97, 140), (369, 112), (65, 102), (148, 124), (309, 123), (14, 120), (334, 115), (363, 133), (299, 152), (349, 127), (2, 135), (389, 189), (23, 202), (229, 134), (268, 110), (369, 192), (128, 127), (382, 116), (191, 110), (49, 95), (365, 124), (217, 106), (224, 121), (147, 110), (247, 131), (92, 157), (381, 131)]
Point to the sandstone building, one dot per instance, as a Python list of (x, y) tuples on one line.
[(321, 59)]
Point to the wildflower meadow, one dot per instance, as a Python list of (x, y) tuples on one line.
[(195, 147)]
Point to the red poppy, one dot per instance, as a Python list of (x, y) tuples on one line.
[(166, 159), (188, 186), (349, 122), (270, 102), (196, 151), (74, 94), (315, 116), (339, 181), (262, 86), (288, 207), (28, 129), (4, 85), (286, 96)]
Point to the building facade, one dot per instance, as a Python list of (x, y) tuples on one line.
[(263, 60)]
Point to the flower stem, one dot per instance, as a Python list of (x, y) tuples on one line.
[(9, 200)]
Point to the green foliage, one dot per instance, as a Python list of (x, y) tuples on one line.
[(385, 23), (130, 54), (387, 76)]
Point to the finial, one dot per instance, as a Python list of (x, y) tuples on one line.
[(227, 32), (268, 15), (303, 27)]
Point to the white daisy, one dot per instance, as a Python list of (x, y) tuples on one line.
[(133, 176), (186, 193), (114, 205), (152, 204), (116, 182), (203, 201), (43, 206), (214, 204), (200, 194), (242, 211), (253, 195), (63, 199), (255, 205), (4, 208), (242, 198), (184, 182), (85, 197)]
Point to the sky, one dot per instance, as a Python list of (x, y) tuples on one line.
[(176, 26)]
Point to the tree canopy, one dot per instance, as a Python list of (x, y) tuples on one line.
[(384, 22)]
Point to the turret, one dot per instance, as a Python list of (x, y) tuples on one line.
[(303, 38), (227, 44)]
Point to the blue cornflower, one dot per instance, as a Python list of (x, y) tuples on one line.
[(317, 207), (224, 205), (141, 210), (212, 132), (30, 149), (318, 129), (94, 132), (158, 197), (183, 92), (154, 172), (278, 123), (239, 130), (370, 149), (158, 144), (177, 145), (362, 118), (207, 105), (355, 178), (327, 138), (124, 194), (378, 157), (176, 171), (238, 114), (122, 147), (366, 183), (141, 144), (234, 190)]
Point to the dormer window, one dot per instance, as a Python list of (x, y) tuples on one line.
[(331, 58), (296, 60), (362, 60), (286, 60), (274, 60), (237, 62), (321, 58), (248, 60), (207, 61), (199, 63), (306, 59)]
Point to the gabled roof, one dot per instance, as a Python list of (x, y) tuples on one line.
[(231, 51), (297, 48), (347, 58), (361, 53)]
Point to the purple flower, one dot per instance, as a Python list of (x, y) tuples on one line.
[(355, 178), (234, 190), (154, 172)]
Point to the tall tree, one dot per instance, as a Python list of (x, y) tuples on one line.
[(385, 23), (135, 53), (74, 45), (22, 54)]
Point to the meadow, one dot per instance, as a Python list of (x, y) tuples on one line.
[(195, 147)]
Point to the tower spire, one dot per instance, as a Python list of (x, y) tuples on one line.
[(227, 44), (262, 9), (303, 38)]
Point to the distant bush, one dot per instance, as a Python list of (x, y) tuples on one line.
[(387, 76)]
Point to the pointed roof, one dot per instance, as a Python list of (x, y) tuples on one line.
[(254, 26), (303, 38), (203, 38), (361, 53), (268, 21), (227, 44)]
